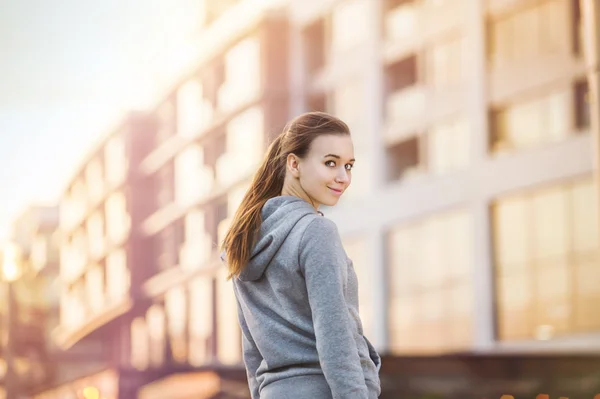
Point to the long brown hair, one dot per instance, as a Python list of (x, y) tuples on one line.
[(267, 182)]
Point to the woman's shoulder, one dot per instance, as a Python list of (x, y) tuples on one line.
[(319, 229)]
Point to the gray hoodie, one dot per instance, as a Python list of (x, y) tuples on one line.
[(298, 305)]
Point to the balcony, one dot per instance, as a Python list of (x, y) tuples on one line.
[(227, 170), (413, 24), (118, 230), (73, 262), (72, 213), (222, 229), (116, 162), (535, 46), (401, 22), (195, 254), (193, 179), (416, 107), (229, 349), (81, 324), (510, 79), (406, 106), (98, 247)]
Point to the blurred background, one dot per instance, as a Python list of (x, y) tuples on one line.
[(130, 130)]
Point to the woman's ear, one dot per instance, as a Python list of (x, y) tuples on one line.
[(292, 164)]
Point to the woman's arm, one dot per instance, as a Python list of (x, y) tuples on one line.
[(323, 261), (251, 354)]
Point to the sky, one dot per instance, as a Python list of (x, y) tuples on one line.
[(68, 70)]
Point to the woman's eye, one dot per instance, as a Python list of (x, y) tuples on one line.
[(330, 163), (349, 166)]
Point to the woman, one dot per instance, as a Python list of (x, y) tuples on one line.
[(295, 287)]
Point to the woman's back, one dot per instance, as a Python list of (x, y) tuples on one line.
[(298, 305)]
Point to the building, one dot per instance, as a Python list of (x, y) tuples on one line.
[(26, 304), (466, 146), (213, 128), (31, 360), (140, 219), (472, 219), (102, 263)]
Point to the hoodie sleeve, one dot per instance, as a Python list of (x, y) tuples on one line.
[(323, 261), (251, 355)]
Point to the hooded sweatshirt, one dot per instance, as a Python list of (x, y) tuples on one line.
[(298, 305)]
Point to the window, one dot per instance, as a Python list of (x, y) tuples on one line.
[(165, 185), (402, 74), (449, 146), (348, 101), (93, 177), (176, 310), (545, 242), (444, 64), (190, 108), (40, 247), (95, 232), (401, 19), (356, 249), (406, 97), (140, 348), (78, 203), (235, 197), (77, 254), (349, 25), (242, 75), (95, 288), (213, 149), (216, 213), (118, 221), (117, 273), (404, 159), (244, 143), (72, 304), (193, 180), (229, 338), (115, 160), (187, 165), (431, 293), (532, 122), (157, 329), (166, 121), (168, 244), (201, 321), (315, 48), (582, 105), (317, 102), (198, 245), (533, 32)]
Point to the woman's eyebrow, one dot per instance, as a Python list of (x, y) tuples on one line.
[(337, 157)]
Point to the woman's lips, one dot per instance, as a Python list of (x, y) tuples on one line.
[(336, 191)]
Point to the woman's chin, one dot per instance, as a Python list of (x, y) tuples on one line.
[(330, 201)]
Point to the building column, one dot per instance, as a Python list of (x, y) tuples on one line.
[(377, 250), (297, 73), (374, 121), (483, 279), (374, 93), (590, 15)]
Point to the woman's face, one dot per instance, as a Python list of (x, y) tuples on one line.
[(326, 171)]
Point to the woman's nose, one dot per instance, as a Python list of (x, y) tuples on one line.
[(342, 177)]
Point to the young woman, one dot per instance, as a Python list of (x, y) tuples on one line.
[(296, 289)]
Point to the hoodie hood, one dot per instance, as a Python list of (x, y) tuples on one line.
[(279, 216)]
